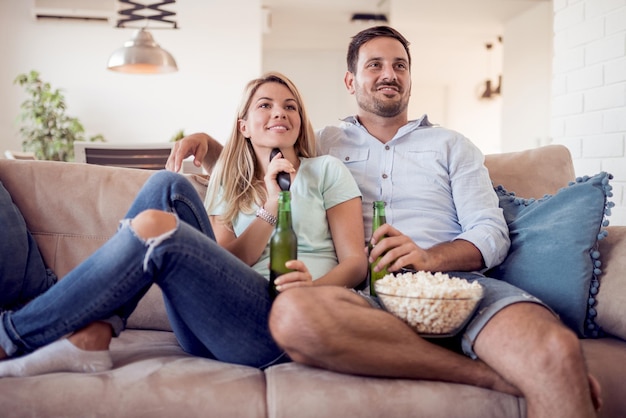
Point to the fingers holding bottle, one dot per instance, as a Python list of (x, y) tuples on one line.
[(298, 277), (393, 252)]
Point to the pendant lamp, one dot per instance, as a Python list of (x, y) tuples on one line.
[(142, 55)]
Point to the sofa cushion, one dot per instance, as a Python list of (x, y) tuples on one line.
[(612, 297), (554, 248), (151, 377), (295, 390)]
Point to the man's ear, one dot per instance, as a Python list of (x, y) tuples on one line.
[(348, 80)]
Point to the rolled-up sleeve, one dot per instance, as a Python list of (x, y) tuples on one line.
[(479, 215)]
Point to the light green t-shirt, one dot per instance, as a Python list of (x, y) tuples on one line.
[(321, 183)]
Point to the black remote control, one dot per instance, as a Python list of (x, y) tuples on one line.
[(283, 178)]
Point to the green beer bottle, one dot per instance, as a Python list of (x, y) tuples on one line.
[(377, 220), (283, 243)]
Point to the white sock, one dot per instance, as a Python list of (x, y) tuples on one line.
[(59, 356)]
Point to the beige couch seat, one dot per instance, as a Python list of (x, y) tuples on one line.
[(72, 209)]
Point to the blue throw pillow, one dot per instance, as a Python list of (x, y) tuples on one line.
[(554, 248)]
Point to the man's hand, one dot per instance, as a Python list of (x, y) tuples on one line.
[(204, 149), (399, 250)]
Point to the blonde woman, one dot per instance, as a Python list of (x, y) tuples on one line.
[(213, 276)]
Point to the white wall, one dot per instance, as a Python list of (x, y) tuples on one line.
[(450, 66), (218, 49), (314, 60), (527, 63), (589, 89), (319, 77), (446, 81)]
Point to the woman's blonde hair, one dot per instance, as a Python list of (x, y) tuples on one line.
[(237, 181)]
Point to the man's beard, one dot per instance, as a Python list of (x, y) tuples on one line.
[(370, 103)]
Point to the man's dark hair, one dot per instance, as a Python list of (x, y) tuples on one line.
[(367, 35)]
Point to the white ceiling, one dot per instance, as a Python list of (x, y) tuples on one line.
[(451, 11), (436, 18)]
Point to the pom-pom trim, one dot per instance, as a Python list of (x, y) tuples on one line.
[(592, 329)]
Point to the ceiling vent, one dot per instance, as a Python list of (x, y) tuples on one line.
[(89, 10), (369, 17)]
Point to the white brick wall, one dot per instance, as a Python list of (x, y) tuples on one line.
[(615, 71), (589, 89)]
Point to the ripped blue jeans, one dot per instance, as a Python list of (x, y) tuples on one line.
[(217, 305)]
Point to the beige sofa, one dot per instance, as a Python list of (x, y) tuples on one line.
[(72, 209)]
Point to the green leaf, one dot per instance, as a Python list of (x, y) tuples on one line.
[(46, 128)]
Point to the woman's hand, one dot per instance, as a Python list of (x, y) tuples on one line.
[(276, 165), (297, 278)]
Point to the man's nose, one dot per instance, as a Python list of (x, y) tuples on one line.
[(389, 74)]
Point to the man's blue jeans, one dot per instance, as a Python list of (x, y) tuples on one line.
[(217, 305)]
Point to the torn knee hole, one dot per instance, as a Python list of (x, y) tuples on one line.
[(153, 223)]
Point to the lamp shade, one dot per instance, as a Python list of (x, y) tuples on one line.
[(142, 55)]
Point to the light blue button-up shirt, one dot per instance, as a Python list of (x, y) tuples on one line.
[(433, 181)]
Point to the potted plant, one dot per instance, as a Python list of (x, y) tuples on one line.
[(180, 134), (47, 130)]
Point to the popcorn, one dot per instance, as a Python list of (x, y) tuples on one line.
[(432, 304)]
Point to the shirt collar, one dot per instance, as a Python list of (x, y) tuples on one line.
[(411, 125), (422, 122)]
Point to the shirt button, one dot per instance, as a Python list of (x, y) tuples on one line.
[(384, 176), (387, 147), (347, 159)]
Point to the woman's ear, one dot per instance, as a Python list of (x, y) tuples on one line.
[(243, 128)]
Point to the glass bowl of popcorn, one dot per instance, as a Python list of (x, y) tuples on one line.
[(434, 305)]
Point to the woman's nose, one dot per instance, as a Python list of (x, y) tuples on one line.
[(279, 113)]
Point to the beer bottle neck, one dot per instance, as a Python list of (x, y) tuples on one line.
[(379, 214), (284, 209)]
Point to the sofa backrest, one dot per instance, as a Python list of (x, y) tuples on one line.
[(73, 208), (532, 173)]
